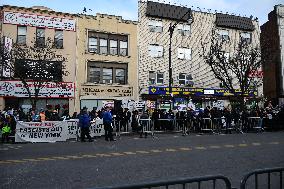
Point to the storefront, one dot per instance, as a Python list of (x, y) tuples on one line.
[(53, 95)]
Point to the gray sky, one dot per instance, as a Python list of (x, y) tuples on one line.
[(128, 8)]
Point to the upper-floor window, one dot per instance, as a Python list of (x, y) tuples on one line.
[(113, 47), (156, 51), (184, 53), (184, 29), (22, 35), (103, 43), (156, 78), (123, 47), (155, 26), (103, 46), (40, 37), (58, 39), (185, 79), (245, 37), (225, 55), (107, 73), (223, 35), (93, 45)]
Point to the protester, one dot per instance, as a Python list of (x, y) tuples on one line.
[(6, 130), (84, 124), (107, 121)]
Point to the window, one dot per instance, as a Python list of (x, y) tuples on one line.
[(155, 26), (156, 51), (246, 37), (185, 79), (225, 55), (160, 78), (123, 48), (113, 47), (184, 53), (94, 75), (107, 73), (93, 45), (120, 76), (105, 43), (22, 35), (184, 29), (58, 39), (156, 78), (103, 46), (40, 37), (223, 35), (152, 78)]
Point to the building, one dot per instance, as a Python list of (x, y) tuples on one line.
[(272, 43), (191, 77), (29, 26), (107, 61)]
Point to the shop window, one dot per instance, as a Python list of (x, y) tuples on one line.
[(58, 39), (184, 53), (156, 51), (22, 35), (184, 29), (155, 26), (223, 35), (40, 37)]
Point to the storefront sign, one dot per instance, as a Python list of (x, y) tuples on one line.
[(103, 91), (49, 90), (39, 21), (49, 131), (196, 91)]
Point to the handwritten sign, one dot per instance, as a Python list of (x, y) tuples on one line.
[(115, 91), (34, 20)]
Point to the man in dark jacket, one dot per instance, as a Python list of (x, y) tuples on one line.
[(84, 124), (107, 120)]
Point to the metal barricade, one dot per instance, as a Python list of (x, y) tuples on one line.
[(147, 126), (180, 125), (207, 125), (254, 123), (202, 182), (269, 172)]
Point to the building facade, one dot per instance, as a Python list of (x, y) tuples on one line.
[(27, 26), (106, 71), (192, 28), (272, 43)]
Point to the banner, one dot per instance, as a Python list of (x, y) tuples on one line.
[(26, 19), (49, 90), (96, 128), (49, 131)]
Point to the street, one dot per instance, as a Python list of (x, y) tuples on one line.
[(131, 159)]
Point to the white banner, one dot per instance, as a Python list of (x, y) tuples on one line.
[(49, 131), (96, 129), (49, 90), (39, 21), (8, 42)]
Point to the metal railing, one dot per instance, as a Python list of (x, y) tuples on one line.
[(181, 183), (259, 172)]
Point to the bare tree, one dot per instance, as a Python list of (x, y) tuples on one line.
[(35, 66), (239, 72)]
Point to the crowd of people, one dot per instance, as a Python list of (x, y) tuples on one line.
[(123, 120)]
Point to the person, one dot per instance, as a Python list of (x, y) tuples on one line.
[(54, 116), (42, 115), (107, 120), (84, 124), (143, 123), (6, 130), (93, 113)]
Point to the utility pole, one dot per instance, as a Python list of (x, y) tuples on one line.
[(171, 30)]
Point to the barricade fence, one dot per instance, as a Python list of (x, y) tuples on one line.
[(274, 180)]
